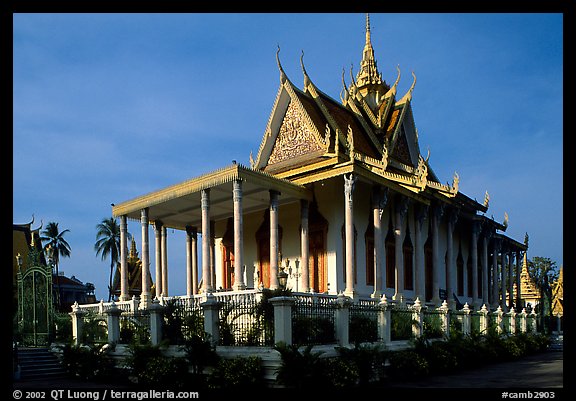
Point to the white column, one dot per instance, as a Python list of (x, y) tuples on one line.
[(401, 208), (379, 199), (164, 262), (349, 183), (437, 213), (273, 239), (158, 235), (503, 279), (495, 249), (304, 246), (420, 276), (238, 237), (474, 254), (190, 263), (450, 274), (205, 203), (485, 270), (145, 295), (124, 292)]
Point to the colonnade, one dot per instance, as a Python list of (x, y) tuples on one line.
[(495, 278)]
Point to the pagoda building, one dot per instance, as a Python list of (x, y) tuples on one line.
[(340, 197)]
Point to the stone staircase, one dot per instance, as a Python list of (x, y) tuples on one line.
[(39, 364)]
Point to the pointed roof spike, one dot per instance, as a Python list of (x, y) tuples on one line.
[(307, 80), (408, 96), (367, 28), (282, 73)]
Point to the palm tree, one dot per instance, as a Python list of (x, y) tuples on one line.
[(108, 243), (55, 246)]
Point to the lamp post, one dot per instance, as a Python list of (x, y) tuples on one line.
[(283, 276), (296, 273)]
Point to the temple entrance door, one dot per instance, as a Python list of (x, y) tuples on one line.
[(228, 256), (318, 229), (317, 265), (35, 309), (428, 271), (264, 263), (227, 266)]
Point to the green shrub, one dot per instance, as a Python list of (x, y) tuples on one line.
[(299, 369), (339, 373), (152, 368), (87, 362), (407, 365), (366, 360), (238, 373)]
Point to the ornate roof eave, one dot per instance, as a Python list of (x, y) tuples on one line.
[(317, 95), (366, 174)]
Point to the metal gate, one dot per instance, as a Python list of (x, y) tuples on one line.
[(35, 308)]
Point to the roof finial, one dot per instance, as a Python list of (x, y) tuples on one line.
[(282, 74), (306, 78), (367, 28)]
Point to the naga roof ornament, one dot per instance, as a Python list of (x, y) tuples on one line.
[(283, 77)]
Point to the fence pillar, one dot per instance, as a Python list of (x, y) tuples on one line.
[(282, 319), (77, 316), (342, 320), (134, 304), (498, 313), (523, 320), (211, 309), (512, 321), (384, 321), (418, 318), (559, 323), (156, 319), (533, 326), (484, 319), (466, 320), (445, 316), (113, 323)]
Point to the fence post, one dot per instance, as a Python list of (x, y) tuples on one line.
[(113, 323), (484, 319), (342, 319), (445, 316), (417, 316), (282, 319), (498, 312), (523, 320), (512, 321), (533, 326), (211, 308), (77, 316), (134, 304), (384, 322), (466, 323), (156, 319)]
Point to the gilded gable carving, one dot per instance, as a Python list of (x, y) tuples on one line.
[(294, 139)]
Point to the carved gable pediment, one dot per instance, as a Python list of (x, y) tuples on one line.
[(295, 137), (292, 137)]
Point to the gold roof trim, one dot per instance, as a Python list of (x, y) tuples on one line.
[(206, 181)]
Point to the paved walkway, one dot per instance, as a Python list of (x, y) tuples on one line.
[(540, 371)]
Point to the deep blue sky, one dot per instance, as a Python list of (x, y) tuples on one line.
[(108, 107)]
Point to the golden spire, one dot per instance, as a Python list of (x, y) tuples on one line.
[(368, 73)]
